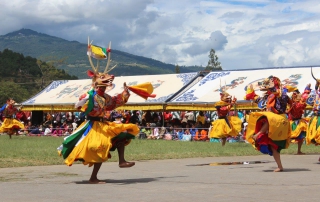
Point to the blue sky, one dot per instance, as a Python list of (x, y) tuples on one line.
[(245, 33)]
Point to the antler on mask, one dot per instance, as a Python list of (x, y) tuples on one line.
[(317, 80), (224, 96), (109, 60), (98, 78)]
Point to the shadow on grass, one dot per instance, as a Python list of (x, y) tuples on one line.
[(128, 181), (290, 170)]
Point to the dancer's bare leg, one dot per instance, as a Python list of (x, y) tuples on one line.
[(276, 156), (223, 141), (94, 179), (10, 133), (122, 162), (299, 148)]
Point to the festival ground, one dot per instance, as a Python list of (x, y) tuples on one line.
[(168, 180)]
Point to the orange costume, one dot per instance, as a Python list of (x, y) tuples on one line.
[(201, 135)]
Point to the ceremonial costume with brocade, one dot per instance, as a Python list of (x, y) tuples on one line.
[(10, 125), (298, 125), (278, 133), (94, 138), (225, 126), (313, 131)]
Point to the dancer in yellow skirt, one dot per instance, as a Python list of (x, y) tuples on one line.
[(10, 125), (225, 126), (298, 125), (313, 131), (93, 140), (269, 131)]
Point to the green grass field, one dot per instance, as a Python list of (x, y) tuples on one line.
[(23, 151)]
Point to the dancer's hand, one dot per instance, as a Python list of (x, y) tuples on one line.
[(125, 87), (254, 137)]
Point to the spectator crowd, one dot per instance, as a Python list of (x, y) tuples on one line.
[(182, 126)]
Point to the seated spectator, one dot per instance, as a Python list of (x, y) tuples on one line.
[(34, 131), (186, 136), (193, 131), (146, 130), (28, 127), (155, 132), (180, 134), (58, 131), (201, 135), (169, 132), (162, 132), (48, 131), (74, 125)]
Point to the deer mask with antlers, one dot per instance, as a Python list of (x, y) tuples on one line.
[(100, 78)]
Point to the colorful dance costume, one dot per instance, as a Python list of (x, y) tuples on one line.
[(225, 126), (298, 125), (313, 131), (10, 125), (278, 133), (93, 139)]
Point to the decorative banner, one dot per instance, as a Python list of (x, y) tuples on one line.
[(236, 83)]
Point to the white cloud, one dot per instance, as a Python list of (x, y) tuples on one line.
[(244, 33)]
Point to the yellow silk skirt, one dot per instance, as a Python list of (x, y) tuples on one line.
[(313, 133), (9, 124), (96, 141), (220, 128), (279, 126), (301, 127)]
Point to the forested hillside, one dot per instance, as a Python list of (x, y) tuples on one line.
[(74, 58), (22, 77)]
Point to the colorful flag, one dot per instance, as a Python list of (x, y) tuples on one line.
[(144, 90), (97, 52)]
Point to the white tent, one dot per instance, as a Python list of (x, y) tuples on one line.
[(206, 92), (62, 95)]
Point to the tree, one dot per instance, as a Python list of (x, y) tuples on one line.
[(213, 63), (177, 69), (12, 90)]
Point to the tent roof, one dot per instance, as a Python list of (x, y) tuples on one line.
[(204, 94), (61, 95)]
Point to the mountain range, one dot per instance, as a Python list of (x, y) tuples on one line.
[(74, 59)]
